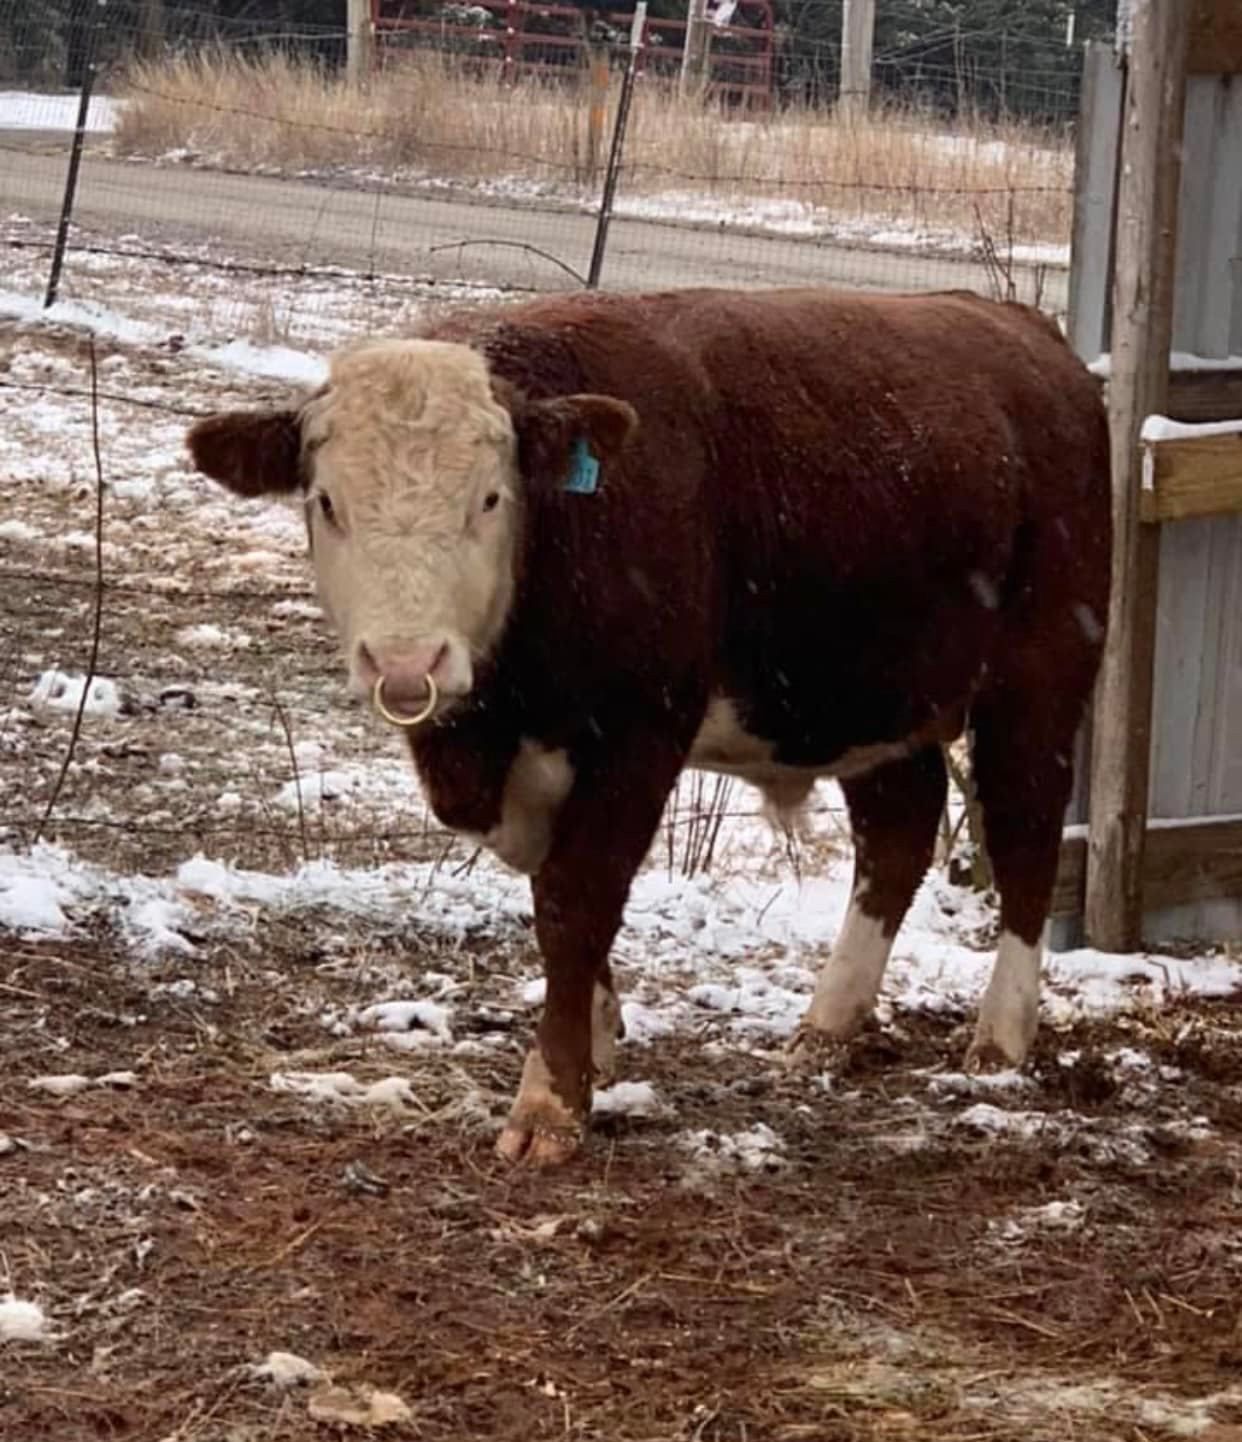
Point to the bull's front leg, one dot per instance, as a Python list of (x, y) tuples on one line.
[(601, 836)]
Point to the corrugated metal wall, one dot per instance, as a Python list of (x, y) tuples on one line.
[(1197, 719)]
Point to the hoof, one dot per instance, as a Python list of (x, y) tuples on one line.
[(542, 1130), (532, 1144), (812, 1050), (986, 1055)]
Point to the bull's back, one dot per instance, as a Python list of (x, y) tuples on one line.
[(831, 497)]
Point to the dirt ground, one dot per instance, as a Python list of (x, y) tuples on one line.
[(911, 1253), (895, 1273)]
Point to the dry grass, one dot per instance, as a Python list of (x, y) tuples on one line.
[(429, 117)]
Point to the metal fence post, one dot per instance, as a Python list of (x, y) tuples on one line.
[(617, 147), (75, 152)]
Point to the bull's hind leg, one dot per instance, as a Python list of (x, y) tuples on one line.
[(601, 836), (1023, 775), (894, 812)]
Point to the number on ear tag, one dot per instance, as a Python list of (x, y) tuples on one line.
[(584, 472)]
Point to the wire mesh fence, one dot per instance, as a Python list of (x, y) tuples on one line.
[(238, 193), (240, 152)]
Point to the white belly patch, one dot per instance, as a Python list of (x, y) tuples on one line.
[(535, 790), (723, 745)]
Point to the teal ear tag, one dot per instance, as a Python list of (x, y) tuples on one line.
[(584, 473)]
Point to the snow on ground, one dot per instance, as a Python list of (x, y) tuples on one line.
[(236, 319), (804, 219), (29, 110), (58, 691), (21, 1321), (736, 948)]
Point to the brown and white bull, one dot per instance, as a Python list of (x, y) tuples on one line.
[(830, 531)]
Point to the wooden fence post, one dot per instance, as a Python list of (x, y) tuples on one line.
[(694, 53), (598, 73), (358, 41), (857, 39), (1141, 333)]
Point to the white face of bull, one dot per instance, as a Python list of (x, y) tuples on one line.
[(415, 470), (413, 508)]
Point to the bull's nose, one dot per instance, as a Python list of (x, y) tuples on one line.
[(404, 673)]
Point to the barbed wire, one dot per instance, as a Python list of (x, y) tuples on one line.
[(115, 396), (162, 588)]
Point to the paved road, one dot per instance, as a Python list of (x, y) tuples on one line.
[(294, 222)]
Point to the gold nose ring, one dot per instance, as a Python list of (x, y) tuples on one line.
[(377, 700)]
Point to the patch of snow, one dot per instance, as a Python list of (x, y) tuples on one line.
[(1094, 980), (1161, 428), (997, 1122), (964, 1084), (755, 1149), (22, 1321), (357, 1405), (62, 691), (1179, 360), (342, 1088), (268, 362), (410, 1023), (302, 610), (1055, 1216), (371, 783), (275, 362), (64, 1084), (644, 1024), (34, 892), (633, 1099), (285, 1369), (735, 952), (209, 637), (29, 110), (67, 1084)]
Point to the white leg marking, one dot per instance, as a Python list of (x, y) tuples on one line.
[(605, 1030), (1009, 1012), (849, 981)]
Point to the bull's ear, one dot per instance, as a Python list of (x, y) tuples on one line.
[(253, 453), (550, 434)]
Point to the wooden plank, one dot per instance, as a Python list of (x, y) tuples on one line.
[(1199, 476), (1182, 865), (1195, 286), (1215, 46), (1209, 231), (1219, 711), (1095, 189), (1071, 883), (1185, 642), (1210, 395), (1203, 395), (1138, 387)]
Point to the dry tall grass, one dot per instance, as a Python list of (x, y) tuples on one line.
[(428, 116)]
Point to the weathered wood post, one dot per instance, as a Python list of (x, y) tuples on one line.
[(1141, 330), (358, 41), (857, 40), (694, 53)]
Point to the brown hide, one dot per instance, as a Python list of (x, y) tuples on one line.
[(859, 519), (842, 511)]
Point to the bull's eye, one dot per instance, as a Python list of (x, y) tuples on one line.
[(325, 507), (491, 500)]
